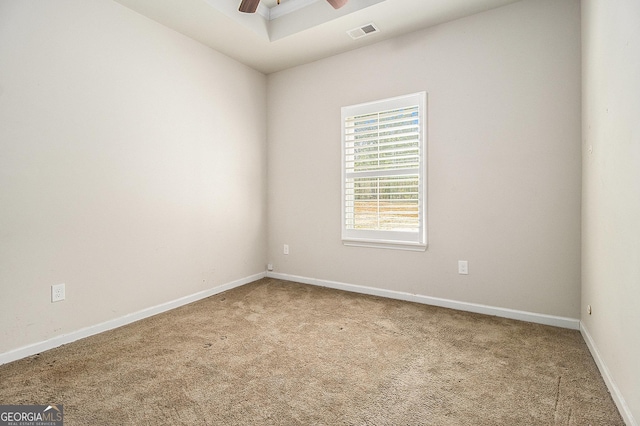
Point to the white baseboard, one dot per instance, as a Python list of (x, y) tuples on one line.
[(624, 409), (563, 322), (54, 342), (556, 321)]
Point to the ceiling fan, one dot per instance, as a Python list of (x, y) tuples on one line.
[(250, 6)]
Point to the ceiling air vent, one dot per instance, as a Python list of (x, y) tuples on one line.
[(363, 31)]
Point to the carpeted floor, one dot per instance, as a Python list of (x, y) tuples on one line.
[(281, 353)]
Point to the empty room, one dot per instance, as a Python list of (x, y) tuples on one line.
[(361, 212)]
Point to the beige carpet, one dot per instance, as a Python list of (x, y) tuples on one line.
[(280, 353)]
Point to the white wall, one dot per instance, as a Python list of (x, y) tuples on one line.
[(504, 94), (132, 166), (611, 190)]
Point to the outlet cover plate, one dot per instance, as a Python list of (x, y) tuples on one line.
[(463, 267), (57, 292)]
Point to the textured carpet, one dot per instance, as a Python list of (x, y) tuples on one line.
[(280, 353)]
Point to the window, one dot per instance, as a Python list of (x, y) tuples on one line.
[(383, 173)]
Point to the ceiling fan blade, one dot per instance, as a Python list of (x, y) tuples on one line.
[(249, 6), (337, 4)]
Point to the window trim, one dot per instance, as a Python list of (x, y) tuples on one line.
[(415, 241)]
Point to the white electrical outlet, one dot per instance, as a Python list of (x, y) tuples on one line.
[(286, 249), (463, 267), (270, 267), (57, 292)]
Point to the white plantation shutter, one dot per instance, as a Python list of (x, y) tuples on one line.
[(383, 173)]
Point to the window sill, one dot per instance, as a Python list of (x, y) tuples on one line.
[(391, 245)]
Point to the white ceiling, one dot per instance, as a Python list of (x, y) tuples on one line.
[(302, 30)]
